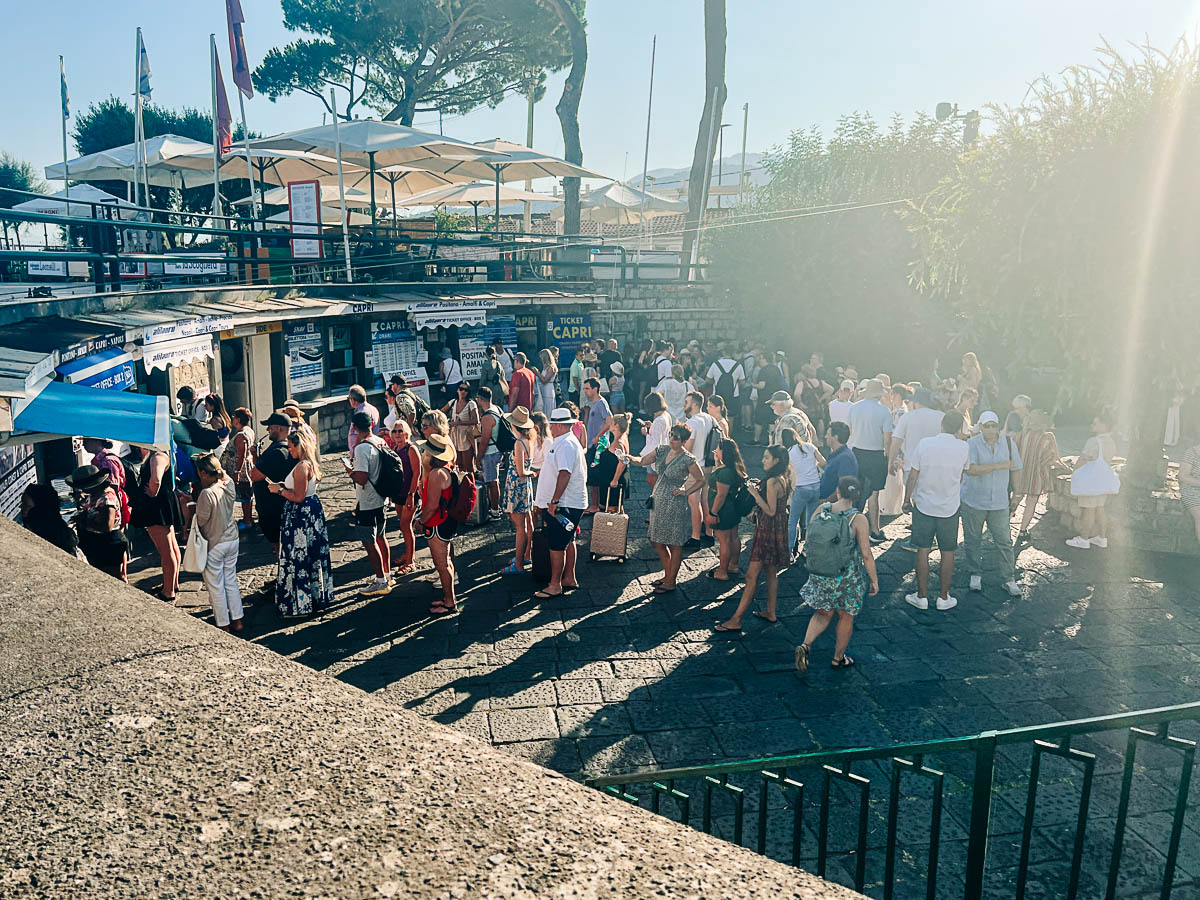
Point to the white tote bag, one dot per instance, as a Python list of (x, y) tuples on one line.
[(1095, 479), (195, 556)]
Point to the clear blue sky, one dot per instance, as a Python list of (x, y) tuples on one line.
[(795, 63)]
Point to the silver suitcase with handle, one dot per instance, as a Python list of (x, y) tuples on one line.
[(610, 531)]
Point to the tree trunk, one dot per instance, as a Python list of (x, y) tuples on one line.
[(714, 79), (568, 109)]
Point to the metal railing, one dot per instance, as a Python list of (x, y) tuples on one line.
[(776, 791), (375, 250)]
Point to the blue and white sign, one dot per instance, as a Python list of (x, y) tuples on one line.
[(110, 370), (306, 357), (503, 327)]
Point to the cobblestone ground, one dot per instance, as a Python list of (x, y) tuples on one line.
[(610, 679)]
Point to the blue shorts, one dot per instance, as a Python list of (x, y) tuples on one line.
[(617, 398), (491, 467)]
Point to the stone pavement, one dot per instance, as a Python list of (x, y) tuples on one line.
[(610, 679)]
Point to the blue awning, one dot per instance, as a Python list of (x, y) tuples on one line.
[(110, 369), (64, 410)]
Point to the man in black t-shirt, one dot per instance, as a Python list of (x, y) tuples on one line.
[(273, 464), (608, 356)]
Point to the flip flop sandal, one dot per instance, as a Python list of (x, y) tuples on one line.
[(763, 616), (710, 574), (664, 590), (545, 595), (720, 626), (844, 663), (438, 610), (511, 569), (802, 658)]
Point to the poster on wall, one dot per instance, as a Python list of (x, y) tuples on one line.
[(306, 357), (568, 332), (503, 327), (472, 350), (17, 470), (304, 213), (394, 347), (417, 380)]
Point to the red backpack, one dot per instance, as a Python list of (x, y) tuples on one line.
[(462, 497)]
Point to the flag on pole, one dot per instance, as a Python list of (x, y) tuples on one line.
[(143, 69), (239, 64), (66, 96), (224, 117)]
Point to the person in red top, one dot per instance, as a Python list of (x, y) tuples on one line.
[(520, 386)]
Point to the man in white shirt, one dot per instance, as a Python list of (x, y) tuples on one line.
[(701, 423), (505, 358), (726, 367), (920, 422), (370, 517), (935, 485), (663, 362), (562, 496), (839, 406), (870, 433)]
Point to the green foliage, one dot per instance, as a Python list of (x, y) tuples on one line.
[(18, 175), (1068, 238), (446, 222), (835, 281), (453, 55)]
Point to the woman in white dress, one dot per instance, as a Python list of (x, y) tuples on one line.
[(544, 385), (891, 501)]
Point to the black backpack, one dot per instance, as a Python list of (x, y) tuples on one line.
[(725, 385), (742, 502), (390, 483), (715, 436), (505, 438)]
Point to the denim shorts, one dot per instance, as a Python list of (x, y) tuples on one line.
[(491, 467)]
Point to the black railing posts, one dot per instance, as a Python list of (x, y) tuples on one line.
[(981, 811)]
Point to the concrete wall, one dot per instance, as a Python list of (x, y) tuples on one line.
[(148, 755), (671, 312)]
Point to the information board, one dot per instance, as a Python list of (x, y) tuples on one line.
[(503, 327), (17, 470), (306, 357), (472, 350), (568, 332), (394, 347), (417, 381), (304, 212)]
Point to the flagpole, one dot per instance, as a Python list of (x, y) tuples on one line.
[(246, 147), (62, 74), (337, 146), (216, 140), (137, 117), (646, 157)]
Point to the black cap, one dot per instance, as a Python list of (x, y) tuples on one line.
[(277, 418)]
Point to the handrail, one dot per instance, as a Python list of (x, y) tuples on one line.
[(919, 748)]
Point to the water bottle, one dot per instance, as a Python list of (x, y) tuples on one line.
[(566, 523)]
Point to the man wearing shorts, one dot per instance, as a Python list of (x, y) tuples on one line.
[(561, 496), (370, 516), (870, 431), (935, 485)]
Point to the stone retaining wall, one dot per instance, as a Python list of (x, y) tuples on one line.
[(671, 312), (149, 755)]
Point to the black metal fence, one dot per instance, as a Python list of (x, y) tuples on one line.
[(1040, 811)]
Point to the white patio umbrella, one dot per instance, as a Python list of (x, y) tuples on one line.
[(118, 163), (476, 194), (373, 144), (392, 184), (330, 215), (81, 196), (621, 204), (278, 196), (505, 161)]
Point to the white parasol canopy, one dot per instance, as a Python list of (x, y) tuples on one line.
[(621, 204), (57, 204), (118, 163), (476, 194), (330, 216), (278, 196)]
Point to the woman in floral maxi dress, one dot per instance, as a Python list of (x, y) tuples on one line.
[(305, 583)]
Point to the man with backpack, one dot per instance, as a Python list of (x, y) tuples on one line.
[(727, 377), (370, 510), (488, 450), (706, 435)]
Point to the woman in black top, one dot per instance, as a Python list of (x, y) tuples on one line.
[(155, 507)]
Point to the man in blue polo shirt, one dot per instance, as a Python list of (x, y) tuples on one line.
[(985, 501), (841, 460)]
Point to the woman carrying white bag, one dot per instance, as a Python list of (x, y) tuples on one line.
[(216, 526), (1091, 484)]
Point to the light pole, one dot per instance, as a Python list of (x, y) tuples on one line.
[(720, 159), (970, 120)]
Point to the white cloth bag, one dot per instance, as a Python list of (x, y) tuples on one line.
[(195, 556), (1095, 479)]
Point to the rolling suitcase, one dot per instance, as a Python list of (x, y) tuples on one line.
[(479, 515), (610, 531), (541, 557)]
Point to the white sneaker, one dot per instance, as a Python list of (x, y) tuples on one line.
[(948, 603), (1101, 542), (1080, 542), (376, 588), (918, 602), (976, 582), (1014, 589)]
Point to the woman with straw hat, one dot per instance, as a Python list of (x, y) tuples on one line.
[(518, 487), (437, 491)]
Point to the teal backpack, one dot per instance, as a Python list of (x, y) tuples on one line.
[(830, 546)]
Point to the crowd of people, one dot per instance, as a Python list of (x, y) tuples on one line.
[(543, 448)]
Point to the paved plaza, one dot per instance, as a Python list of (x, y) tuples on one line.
[(610, 679)]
